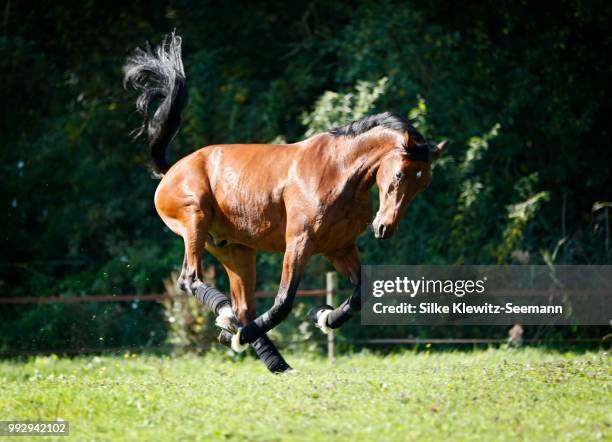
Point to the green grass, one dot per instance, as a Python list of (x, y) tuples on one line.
[(490, 395)]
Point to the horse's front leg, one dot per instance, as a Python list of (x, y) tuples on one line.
[(297, 253), (239, 263), (326, 317)]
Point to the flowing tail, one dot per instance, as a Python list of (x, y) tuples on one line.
[(158, 75)]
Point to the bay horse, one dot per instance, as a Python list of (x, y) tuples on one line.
[(306, 198)]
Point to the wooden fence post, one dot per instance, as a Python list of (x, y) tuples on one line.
[(330, 285)]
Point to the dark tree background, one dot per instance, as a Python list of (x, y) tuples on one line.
[(522, 89)]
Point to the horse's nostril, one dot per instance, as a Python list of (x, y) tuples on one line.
[(381, 230)]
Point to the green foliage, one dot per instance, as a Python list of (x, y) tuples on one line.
[(490, 395), (519, 214), (333, 108)]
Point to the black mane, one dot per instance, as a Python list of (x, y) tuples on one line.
[(420, 150), (388, 120)]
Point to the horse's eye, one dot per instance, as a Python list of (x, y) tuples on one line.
[(399, 175), (418, 174)]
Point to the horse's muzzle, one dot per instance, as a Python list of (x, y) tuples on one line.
[(381, 231)]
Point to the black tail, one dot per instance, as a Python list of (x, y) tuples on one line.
[(158, 75)]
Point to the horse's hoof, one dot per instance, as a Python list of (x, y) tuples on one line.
[(288, 372), (225, 338), (227, 322), (235, 343), (232, 341), (318, 316)]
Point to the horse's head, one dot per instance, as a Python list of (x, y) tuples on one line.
[(402, 173)]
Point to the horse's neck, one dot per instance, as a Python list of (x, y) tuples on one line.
[(360, 157)]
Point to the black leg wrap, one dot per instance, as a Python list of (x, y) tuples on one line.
[(344, 312), (340, 315), (270, 319), (212, 297), (250, 333), (269, 355)]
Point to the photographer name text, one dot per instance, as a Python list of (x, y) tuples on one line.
[(462, 308)]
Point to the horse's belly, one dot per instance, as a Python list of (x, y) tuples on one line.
[(259, 219), (262, 228)]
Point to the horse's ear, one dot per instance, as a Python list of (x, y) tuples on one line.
[(440, 148)]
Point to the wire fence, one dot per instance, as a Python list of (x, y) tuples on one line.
[(329, 293)]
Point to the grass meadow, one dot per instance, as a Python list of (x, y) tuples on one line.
[(524, 394)]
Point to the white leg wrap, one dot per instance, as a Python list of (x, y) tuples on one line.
[(236, 345), (226, 311), (322, 322)]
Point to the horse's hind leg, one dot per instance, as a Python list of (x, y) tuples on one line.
[(347, 263), (195, 226), (192, 222)]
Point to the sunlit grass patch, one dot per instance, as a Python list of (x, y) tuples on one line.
[(498, 394)]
